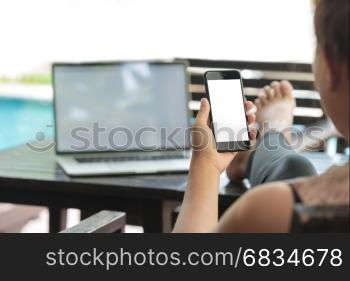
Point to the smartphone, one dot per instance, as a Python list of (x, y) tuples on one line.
[(228, 118)]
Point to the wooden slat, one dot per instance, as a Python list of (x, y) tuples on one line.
[(302, 120), (258, 74), (301, 102), (298, 94), (299, 111), (271, 66), (260, 83), (102, 222)]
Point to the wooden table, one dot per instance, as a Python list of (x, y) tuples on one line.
[(34, 178)]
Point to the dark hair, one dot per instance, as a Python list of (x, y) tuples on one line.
[(332, 28)]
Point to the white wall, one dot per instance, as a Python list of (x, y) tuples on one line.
[(34, 32)]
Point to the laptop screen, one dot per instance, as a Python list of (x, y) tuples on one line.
[(120, 106)]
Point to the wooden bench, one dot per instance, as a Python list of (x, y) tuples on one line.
[(305, 219), (101, 222), (259, 74)]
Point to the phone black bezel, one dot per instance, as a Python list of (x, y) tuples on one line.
[(226, 75)]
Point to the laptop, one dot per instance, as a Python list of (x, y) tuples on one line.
[(121, 117)]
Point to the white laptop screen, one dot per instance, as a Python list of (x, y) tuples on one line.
[(121, 106)]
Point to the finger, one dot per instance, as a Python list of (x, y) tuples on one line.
[(249, 106), (252, 133), (203, 113), (233, 154), (251, 118)]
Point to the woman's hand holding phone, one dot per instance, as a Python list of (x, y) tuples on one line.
[(199, 210), (203, 142)]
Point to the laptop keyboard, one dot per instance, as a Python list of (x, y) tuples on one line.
[(127, 158)]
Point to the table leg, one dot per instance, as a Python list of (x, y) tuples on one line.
[(57, 219), (152, 218), (167, 212), (156, 216)]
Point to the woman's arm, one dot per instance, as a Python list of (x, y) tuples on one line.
[(264, 209), (199, 210)]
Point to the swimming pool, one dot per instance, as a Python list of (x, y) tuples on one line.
[(21, 120)]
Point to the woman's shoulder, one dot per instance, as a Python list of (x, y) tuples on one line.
[(269, 207), (330, 188)]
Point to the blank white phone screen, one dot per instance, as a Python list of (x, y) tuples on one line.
[(227, 107)]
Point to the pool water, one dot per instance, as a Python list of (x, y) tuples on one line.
[(22, 120)]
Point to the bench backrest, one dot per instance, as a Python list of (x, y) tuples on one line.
[(255, 76)]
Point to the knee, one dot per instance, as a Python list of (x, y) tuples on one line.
[(298, 165)]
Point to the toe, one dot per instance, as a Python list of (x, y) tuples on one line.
[(261, 93), (257, 103), (276, 86), (269, 92), (262, 98), (286, 88)]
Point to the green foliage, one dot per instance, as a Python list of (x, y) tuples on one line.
[(27, 79)]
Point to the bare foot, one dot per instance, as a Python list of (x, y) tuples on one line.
[(275, 106)]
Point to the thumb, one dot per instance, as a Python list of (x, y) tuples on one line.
[(203, 113)]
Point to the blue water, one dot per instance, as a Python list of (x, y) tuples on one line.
[(22, 120)]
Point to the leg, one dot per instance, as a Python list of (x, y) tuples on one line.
[(275, 160)]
